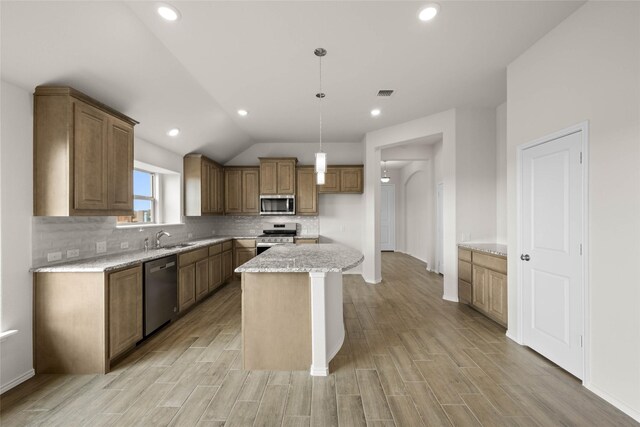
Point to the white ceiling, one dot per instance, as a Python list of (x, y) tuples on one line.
[(221, 56)]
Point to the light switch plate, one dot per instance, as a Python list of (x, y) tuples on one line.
[(72, 253), (124, 245), (54, 256), (101, 247)]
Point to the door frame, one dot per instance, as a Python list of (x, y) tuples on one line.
[(440, 228), (586, 295), (392, 220)]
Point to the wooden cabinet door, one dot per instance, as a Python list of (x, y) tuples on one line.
[(268, 176), (306, 241), (215, 271), (186, 286), (286, 176), (497, 287), (202, 279), (205, 195), (243, 255), (331, 181), (233, 191), (120, 166), (220, 190), (214, 176), (307, 192), (250, 191), (351, 180), (227, 265), (125, 310), (480, 293), (90, 158)]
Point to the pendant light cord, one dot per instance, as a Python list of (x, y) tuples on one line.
[(320, 98)]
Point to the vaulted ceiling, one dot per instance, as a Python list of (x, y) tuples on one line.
[(196, 73)]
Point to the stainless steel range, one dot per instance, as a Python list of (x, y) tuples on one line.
[(275, 234)]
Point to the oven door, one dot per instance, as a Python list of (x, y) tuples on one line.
[(277, 205)]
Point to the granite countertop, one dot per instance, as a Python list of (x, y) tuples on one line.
[(320, 258), (490, 248), (127, 259)]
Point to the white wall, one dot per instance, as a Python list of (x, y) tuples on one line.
[(476, 174), (16, 146), (340, 221), (419, 212), (501, 174), (338, 153), (588, 68)]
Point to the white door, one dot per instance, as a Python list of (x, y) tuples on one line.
[(551, 260), (439, 227), (388, 217)]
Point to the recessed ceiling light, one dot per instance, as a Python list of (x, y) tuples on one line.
[(243, 112), (375, 112), (173, 132), (168, 12), (429, 12)]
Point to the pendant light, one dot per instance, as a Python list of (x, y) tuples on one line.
[(385, 178), (321, 157)]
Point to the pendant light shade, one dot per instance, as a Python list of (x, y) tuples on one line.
[(321, 163), (385, 178), (321, 157)]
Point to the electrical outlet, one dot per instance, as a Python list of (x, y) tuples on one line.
[(190, 235), (72, 253), (101, 247), (124, 245), (54, 256)]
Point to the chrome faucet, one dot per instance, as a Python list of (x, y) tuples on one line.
[(159, 234)]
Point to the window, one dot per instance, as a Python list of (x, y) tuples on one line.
[(144, 199)]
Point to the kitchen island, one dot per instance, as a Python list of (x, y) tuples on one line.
[(292, 306)]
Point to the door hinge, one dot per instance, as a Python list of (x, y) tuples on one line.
[(581, 341), (580, 248), (581, 157)]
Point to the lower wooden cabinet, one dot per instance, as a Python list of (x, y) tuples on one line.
[(227, 265), (482, 283), (125, 310), (83, 321), (186, 286), (243, 251), (215, 271), (305, 241), (202, 279)]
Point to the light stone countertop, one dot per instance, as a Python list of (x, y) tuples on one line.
[(127, 259), (320, 258), (490, 248)]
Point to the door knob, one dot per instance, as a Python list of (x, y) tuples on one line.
[(525, 257)]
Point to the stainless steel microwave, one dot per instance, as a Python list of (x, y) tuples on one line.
[(278, 205)]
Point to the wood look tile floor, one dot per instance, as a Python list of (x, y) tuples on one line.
[(409, 359)]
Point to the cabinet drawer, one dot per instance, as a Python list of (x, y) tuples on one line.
[(306, 241), (464, 271), (245, 243), (495, 263), (227, 246), (464, 254), (215, 249), (464, 292), (192, 256)]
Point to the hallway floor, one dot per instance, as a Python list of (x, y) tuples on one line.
[(409, 359)]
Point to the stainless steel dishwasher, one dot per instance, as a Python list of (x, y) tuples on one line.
[(160, 292)]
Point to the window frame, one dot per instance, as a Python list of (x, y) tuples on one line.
[(153, 199)]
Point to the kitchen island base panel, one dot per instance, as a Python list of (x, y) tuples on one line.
[(276, 321), (291, 321)]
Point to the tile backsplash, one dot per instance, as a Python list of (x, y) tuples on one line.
[(53, 235)]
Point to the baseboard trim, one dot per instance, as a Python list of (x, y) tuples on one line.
[(513, 337), (450, 298), (22, 378), (613, 401)]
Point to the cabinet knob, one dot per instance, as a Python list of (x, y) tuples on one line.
[(525, 257)]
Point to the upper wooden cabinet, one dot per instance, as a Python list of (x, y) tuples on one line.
[(343, 179), (203, 186), (307, 191), (83, 155), (241, 190), (278, 175)]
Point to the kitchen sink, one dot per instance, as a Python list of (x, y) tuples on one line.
[(178, 246)]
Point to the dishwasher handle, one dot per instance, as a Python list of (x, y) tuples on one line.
[(162, 267)]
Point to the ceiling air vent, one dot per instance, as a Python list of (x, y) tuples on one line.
[(385, 92)]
